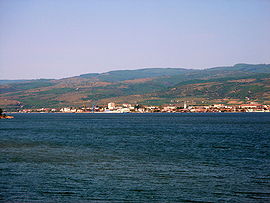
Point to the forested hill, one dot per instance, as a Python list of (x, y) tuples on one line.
[(153, 86)]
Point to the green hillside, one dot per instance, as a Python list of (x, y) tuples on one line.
[(121, 75), (237, 83)]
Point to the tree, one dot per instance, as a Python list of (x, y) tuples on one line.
[(138, 106)]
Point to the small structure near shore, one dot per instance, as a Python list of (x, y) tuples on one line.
[(4, 116)]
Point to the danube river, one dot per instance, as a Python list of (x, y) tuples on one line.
[(135, 157)]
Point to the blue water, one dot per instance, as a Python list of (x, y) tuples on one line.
[(219, 157)]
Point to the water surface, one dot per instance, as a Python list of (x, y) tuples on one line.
[(135, 157)]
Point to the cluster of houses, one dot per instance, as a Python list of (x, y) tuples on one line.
[(128, 108)]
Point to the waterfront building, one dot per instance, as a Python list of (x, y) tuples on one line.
[(111, 105)]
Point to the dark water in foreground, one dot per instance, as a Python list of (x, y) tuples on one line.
[(135, 157)]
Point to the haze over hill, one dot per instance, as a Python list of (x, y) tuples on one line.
[(155, 86)]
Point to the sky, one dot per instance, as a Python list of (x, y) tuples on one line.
[(63, 38)]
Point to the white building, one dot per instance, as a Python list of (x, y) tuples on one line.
[(127, 105), (111, 105)]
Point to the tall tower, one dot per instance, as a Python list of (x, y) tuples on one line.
[(185, 104), (93, 108)]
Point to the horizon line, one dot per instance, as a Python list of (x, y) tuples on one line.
[(27, 79)]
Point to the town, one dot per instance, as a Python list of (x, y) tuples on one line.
[(138, 108)]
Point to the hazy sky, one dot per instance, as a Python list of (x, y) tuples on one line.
[(60, 38)]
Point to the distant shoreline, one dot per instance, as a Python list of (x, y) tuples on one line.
[(132, 112)]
